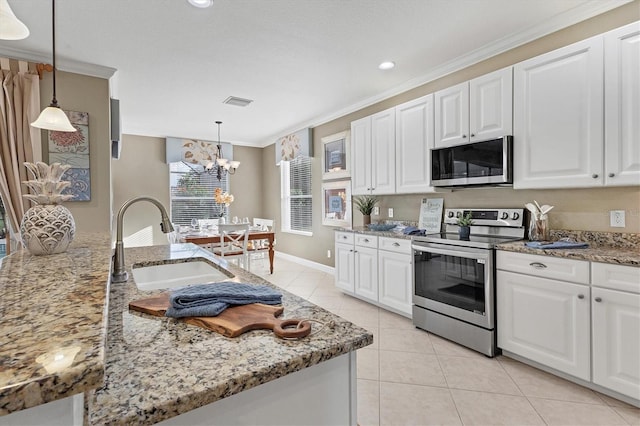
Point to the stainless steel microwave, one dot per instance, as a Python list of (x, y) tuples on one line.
[(488, 162)]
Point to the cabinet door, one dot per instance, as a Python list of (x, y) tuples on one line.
[(395, 287), (361, 156), (616, 341), (622, 105), (491, 105), (414, 140), (344, 270), (546, 321), (452, 115), (558, 118), (383, 152), (366, 272)]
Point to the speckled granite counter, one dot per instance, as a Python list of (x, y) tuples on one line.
[(157, 368), (53, 323), (605, 247), (365, 230)]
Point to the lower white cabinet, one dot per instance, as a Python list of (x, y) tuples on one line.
[(375, 269), (588, 328), (546, 321)]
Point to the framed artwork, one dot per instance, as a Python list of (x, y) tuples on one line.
[(336, 156), (73, 148), (336, 203)]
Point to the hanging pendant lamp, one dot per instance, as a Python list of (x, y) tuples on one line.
[(11, 28), (52, 117)]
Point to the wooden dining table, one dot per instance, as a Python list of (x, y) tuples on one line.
[(253, 235)]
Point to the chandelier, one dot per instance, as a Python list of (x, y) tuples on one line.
[(220, 166)]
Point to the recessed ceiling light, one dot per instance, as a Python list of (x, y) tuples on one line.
[(387, 65), (201, 3)]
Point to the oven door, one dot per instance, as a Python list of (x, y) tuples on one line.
[(455, 281)]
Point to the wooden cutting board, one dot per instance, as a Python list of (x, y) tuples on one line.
[(233, 321)]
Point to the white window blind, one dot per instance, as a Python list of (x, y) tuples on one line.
[(296, 195), (192, 194)]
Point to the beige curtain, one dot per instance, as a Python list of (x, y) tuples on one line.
[(19, 142)]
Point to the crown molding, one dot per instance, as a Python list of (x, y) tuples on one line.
[(558, 22)]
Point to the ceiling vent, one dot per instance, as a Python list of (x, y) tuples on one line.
[(233, 100)]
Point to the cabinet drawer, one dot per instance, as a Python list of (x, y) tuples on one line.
[(344, 237), (576, 271), (396, 245), (364, 240), (616, 277)]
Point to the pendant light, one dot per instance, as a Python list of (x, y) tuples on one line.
[(11, 28), (52, 117)]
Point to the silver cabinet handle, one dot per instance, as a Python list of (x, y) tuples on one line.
[(598, 299), (366, 240), (581, 296), (538, 265), (464, 136), (344, 237), (396, 245), (595, 176), (612, 174), (472, 134)]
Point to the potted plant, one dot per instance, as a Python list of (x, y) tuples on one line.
[(465, 223), (365, 204)]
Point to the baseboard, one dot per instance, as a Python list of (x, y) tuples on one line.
[(304, 262)]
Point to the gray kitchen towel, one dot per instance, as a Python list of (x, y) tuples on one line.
[(555, 244), (205, 300)]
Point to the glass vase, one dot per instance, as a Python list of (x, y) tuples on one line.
[(539, 229)]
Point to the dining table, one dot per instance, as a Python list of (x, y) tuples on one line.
[(203, 238)]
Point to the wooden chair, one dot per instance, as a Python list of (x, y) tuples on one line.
[(233, 243)]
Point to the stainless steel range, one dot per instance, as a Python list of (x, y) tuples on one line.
[(454, 278)]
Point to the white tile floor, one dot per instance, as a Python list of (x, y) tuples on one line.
[(411, 377)]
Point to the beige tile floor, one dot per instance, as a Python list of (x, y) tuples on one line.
[(410, 377)]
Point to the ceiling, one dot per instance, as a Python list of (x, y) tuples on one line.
[(303, 62)]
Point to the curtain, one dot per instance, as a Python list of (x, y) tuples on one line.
[(19, 142)]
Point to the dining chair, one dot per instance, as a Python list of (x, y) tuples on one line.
[(233, 243), (261, 246)]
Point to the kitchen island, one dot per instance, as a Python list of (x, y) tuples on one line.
[(152, 369)]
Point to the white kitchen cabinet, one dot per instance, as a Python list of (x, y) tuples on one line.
[(366, 273), (546, 321), (395, 274), (559, 118), (414, 141), (344, 265), (476, 110), (622, 105), (543, 310), (373, 154), (615, 311)]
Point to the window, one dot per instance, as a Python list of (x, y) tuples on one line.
[(192, 194), (296, 195)]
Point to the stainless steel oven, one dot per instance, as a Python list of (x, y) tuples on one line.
[(454, 278)]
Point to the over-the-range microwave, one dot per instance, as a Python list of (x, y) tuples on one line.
[(488, 162)]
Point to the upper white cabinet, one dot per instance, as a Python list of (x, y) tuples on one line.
[(414, 140), (475, 110), (558, 118), (373, 154), (622, 105)]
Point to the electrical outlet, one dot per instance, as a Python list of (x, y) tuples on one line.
[(390, 212), (617, 218), (329, 254), (376, 211)]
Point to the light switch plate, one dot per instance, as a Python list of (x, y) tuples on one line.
[(376, 211), (617, 218), (390, 212)]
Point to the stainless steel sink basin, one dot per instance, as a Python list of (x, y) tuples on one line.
[(171, 275)]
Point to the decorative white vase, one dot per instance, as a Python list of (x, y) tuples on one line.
[(47, 229)]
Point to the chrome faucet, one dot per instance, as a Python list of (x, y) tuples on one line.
[(119, 274)]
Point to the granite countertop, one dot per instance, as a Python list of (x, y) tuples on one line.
[(157, 367), (365, 230), (605, 247), (53, 322)]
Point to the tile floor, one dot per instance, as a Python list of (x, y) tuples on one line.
[(411, 377)]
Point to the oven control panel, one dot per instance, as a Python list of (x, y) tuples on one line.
[(486, 217)]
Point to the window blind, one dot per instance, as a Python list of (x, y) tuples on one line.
[(297, 206), (192, 194)]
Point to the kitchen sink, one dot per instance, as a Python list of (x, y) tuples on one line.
[(171, 275)]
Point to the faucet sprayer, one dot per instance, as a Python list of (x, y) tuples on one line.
[(119, 274)]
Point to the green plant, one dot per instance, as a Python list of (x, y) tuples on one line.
[(465, 220), (365, 203)]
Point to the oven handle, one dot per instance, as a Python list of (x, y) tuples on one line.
[(449, 252)]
